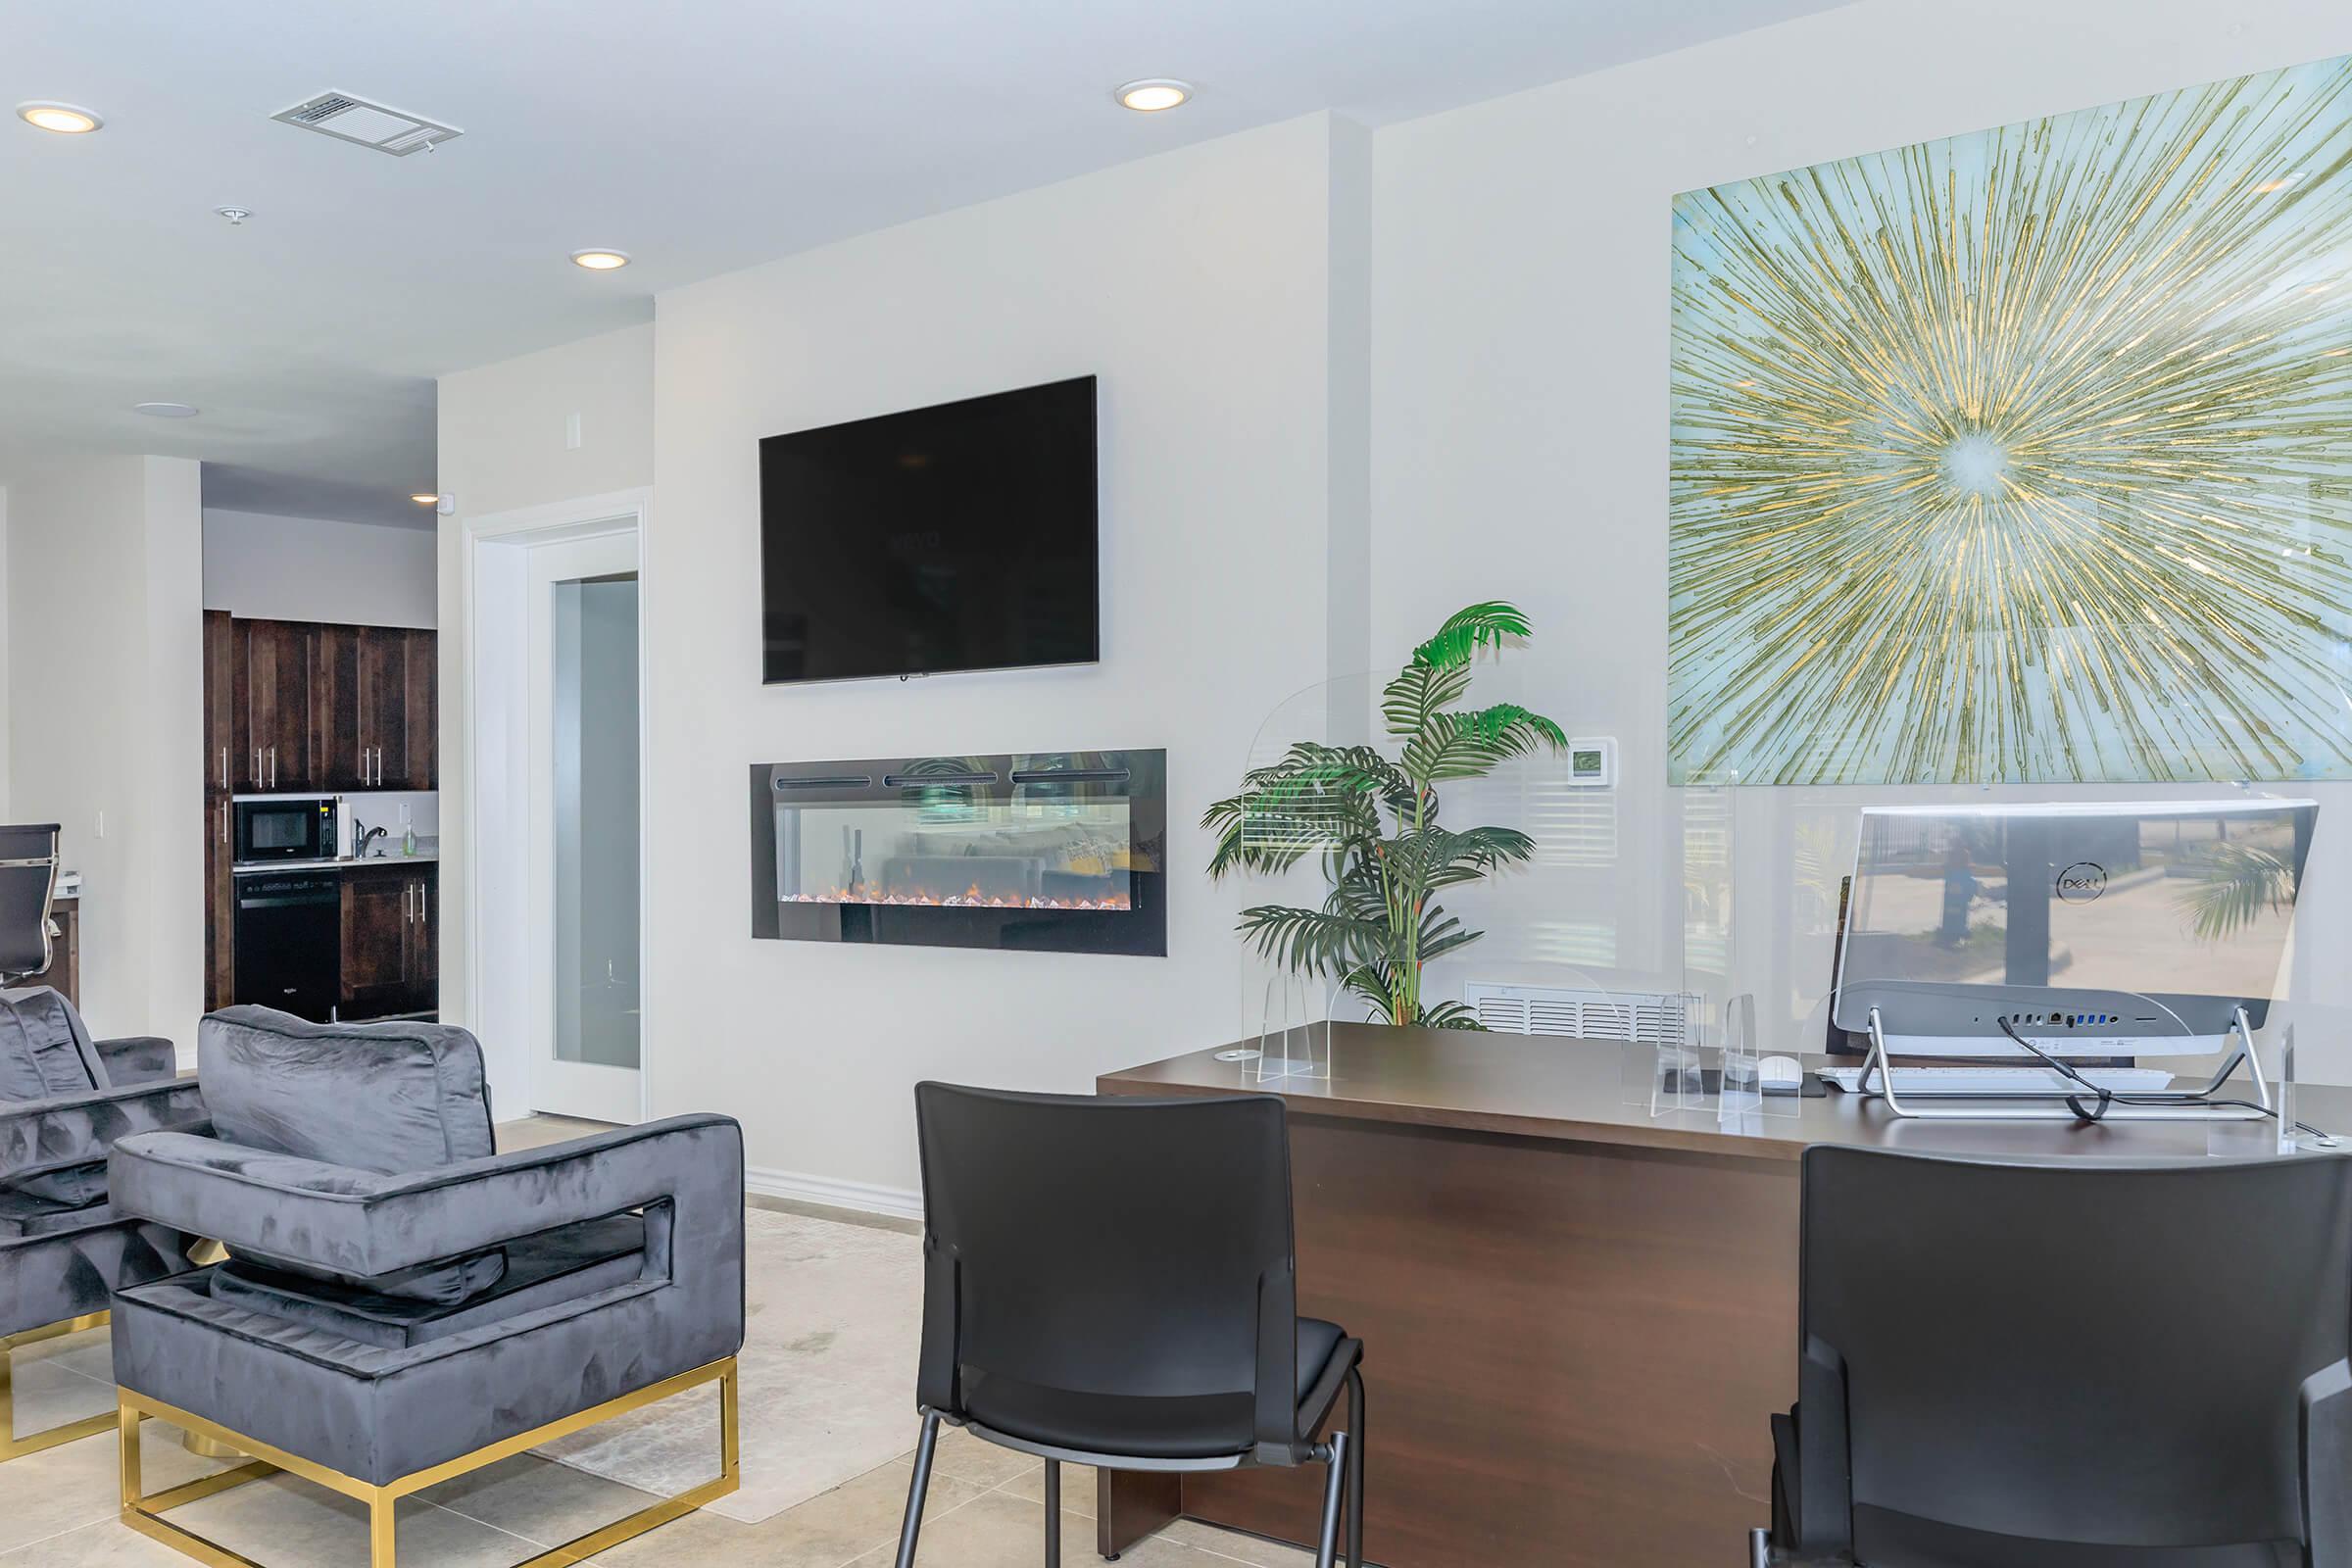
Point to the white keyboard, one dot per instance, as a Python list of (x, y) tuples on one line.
[(1928, 1081)]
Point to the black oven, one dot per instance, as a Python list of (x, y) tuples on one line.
[(291, 827)]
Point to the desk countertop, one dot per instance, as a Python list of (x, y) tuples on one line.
[(1569, 1091)]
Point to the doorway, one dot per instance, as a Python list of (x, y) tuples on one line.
[(558, 829)]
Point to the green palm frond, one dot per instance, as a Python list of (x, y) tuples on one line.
[(1472, 745), (1311, 940), (1468, 630), (1374, 824), (1420, 694), (2233, 885)]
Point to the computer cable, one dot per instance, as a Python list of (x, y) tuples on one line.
[(2108, 1097)]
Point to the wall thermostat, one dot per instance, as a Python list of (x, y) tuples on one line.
[(1593, 762)]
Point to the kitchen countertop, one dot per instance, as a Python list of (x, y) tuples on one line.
[(343, 863)]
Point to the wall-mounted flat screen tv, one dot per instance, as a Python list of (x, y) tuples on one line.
[(949, 538)]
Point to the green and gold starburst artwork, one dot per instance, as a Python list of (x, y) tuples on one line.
[(2025, 454)]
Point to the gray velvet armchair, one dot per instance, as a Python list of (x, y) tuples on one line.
[(401, 1305), (64, 1247)]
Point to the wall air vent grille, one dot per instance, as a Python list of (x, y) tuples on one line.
[(395, 131), (1649, 1018)]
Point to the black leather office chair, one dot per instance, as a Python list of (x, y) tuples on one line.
[(27, 883), (1110, 1282), (2082, 1365)]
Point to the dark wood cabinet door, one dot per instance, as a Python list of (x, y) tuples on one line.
[(420, 711), (220, 737), (275, 683), (384, 705), (220, 902), (338, 737), (379, 910), (423, 954)]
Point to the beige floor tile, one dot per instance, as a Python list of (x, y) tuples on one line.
[(826, 1531), (537, 1131), (539, 1500), (1233, 1544), (1002, 1531), (75, 1484), (1077, 1488), (969, 1458), (49, 1393), (107, 1544), (287, 1523)]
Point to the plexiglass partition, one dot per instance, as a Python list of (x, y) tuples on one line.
[(1385, 862), (1681, 927)]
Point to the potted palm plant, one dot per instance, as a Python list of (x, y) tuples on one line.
[(1373, 819)]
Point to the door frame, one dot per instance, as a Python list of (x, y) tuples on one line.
[(509, 936)]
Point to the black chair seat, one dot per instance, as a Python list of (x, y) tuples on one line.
[(1202, 1426)]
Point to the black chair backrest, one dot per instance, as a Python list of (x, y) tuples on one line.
[(27, 880), (1116, 1246), (2089, 1352)]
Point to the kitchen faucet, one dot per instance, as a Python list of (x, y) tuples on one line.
[(362, 836)]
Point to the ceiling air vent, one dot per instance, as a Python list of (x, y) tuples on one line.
[(355, 120)]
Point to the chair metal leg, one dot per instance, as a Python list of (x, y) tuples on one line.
[(916, 1490), (1052, 1513), (1355, 1469), (1759, 1549), (1334, 1483), (383, 1551)]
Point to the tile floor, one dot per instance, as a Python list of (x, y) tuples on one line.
[(56, 1510)]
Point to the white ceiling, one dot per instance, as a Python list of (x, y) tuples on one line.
[(700, 136)]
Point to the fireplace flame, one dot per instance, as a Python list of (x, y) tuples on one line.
[(971, 897)]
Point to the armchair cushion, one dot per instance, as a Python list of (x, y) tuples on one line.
[(45, 1053), (545, 1270), (21, 1214), (137, 1059), (389, 1098)]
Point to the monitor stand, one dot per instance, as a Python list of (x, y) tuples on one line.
[(2172, 1104)]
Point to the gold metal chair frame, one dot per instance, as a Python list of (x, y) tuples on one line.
[(13, 1447), (143, 1511)]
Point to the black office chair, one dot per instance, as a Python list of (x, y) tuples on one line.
[(1165, 1338), (28, 884), (2081, 1365)]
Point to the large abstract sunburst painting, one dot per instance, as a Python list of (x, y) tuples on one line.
[(2025, 454)]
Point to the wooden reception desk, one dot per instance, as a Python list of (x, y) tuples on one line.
[(1576, 1319)]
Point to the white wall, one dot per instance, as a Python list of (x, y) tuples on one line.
[(105, 720), (317, 569), (1520, 344), (505, 446), (1196, 286)]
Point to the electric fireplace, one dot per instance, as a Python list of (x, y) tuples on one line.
[(1051, 852)]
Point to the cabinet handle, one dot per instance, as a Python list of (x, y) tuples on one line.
[(273, 767), (224, 767), (225, 816), (257, 767)]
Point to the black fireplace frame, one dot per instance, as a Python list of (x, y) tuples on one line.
[(1140, 930)]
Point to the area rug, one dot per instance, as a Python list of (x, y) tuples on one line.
[(827, 1388)]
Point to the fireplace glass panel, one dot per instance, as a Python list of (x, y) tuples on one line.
[(1056, 850), (1048, 847)]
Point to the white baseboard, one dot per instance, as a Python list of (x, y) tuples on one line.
[(865, 1197)]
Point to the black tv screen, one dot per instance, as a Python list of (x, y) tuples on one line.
[(948, 538)]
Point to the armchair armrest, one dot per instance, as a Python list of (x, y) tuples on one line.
[(38, 1135), (365, 1224), (138, 1060)]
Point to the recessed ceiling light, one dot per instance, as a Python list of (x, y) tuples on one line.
[(166, 410), (596, 259), (1154, 93), (426, 498), (64, 119)]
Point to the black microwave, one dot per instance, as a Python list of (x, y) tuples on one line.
[(292, 827)]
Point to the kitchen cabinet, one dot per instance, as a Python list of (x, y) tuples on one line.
[(221, 747), (274, 678), (390, 954), (374, 694)]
